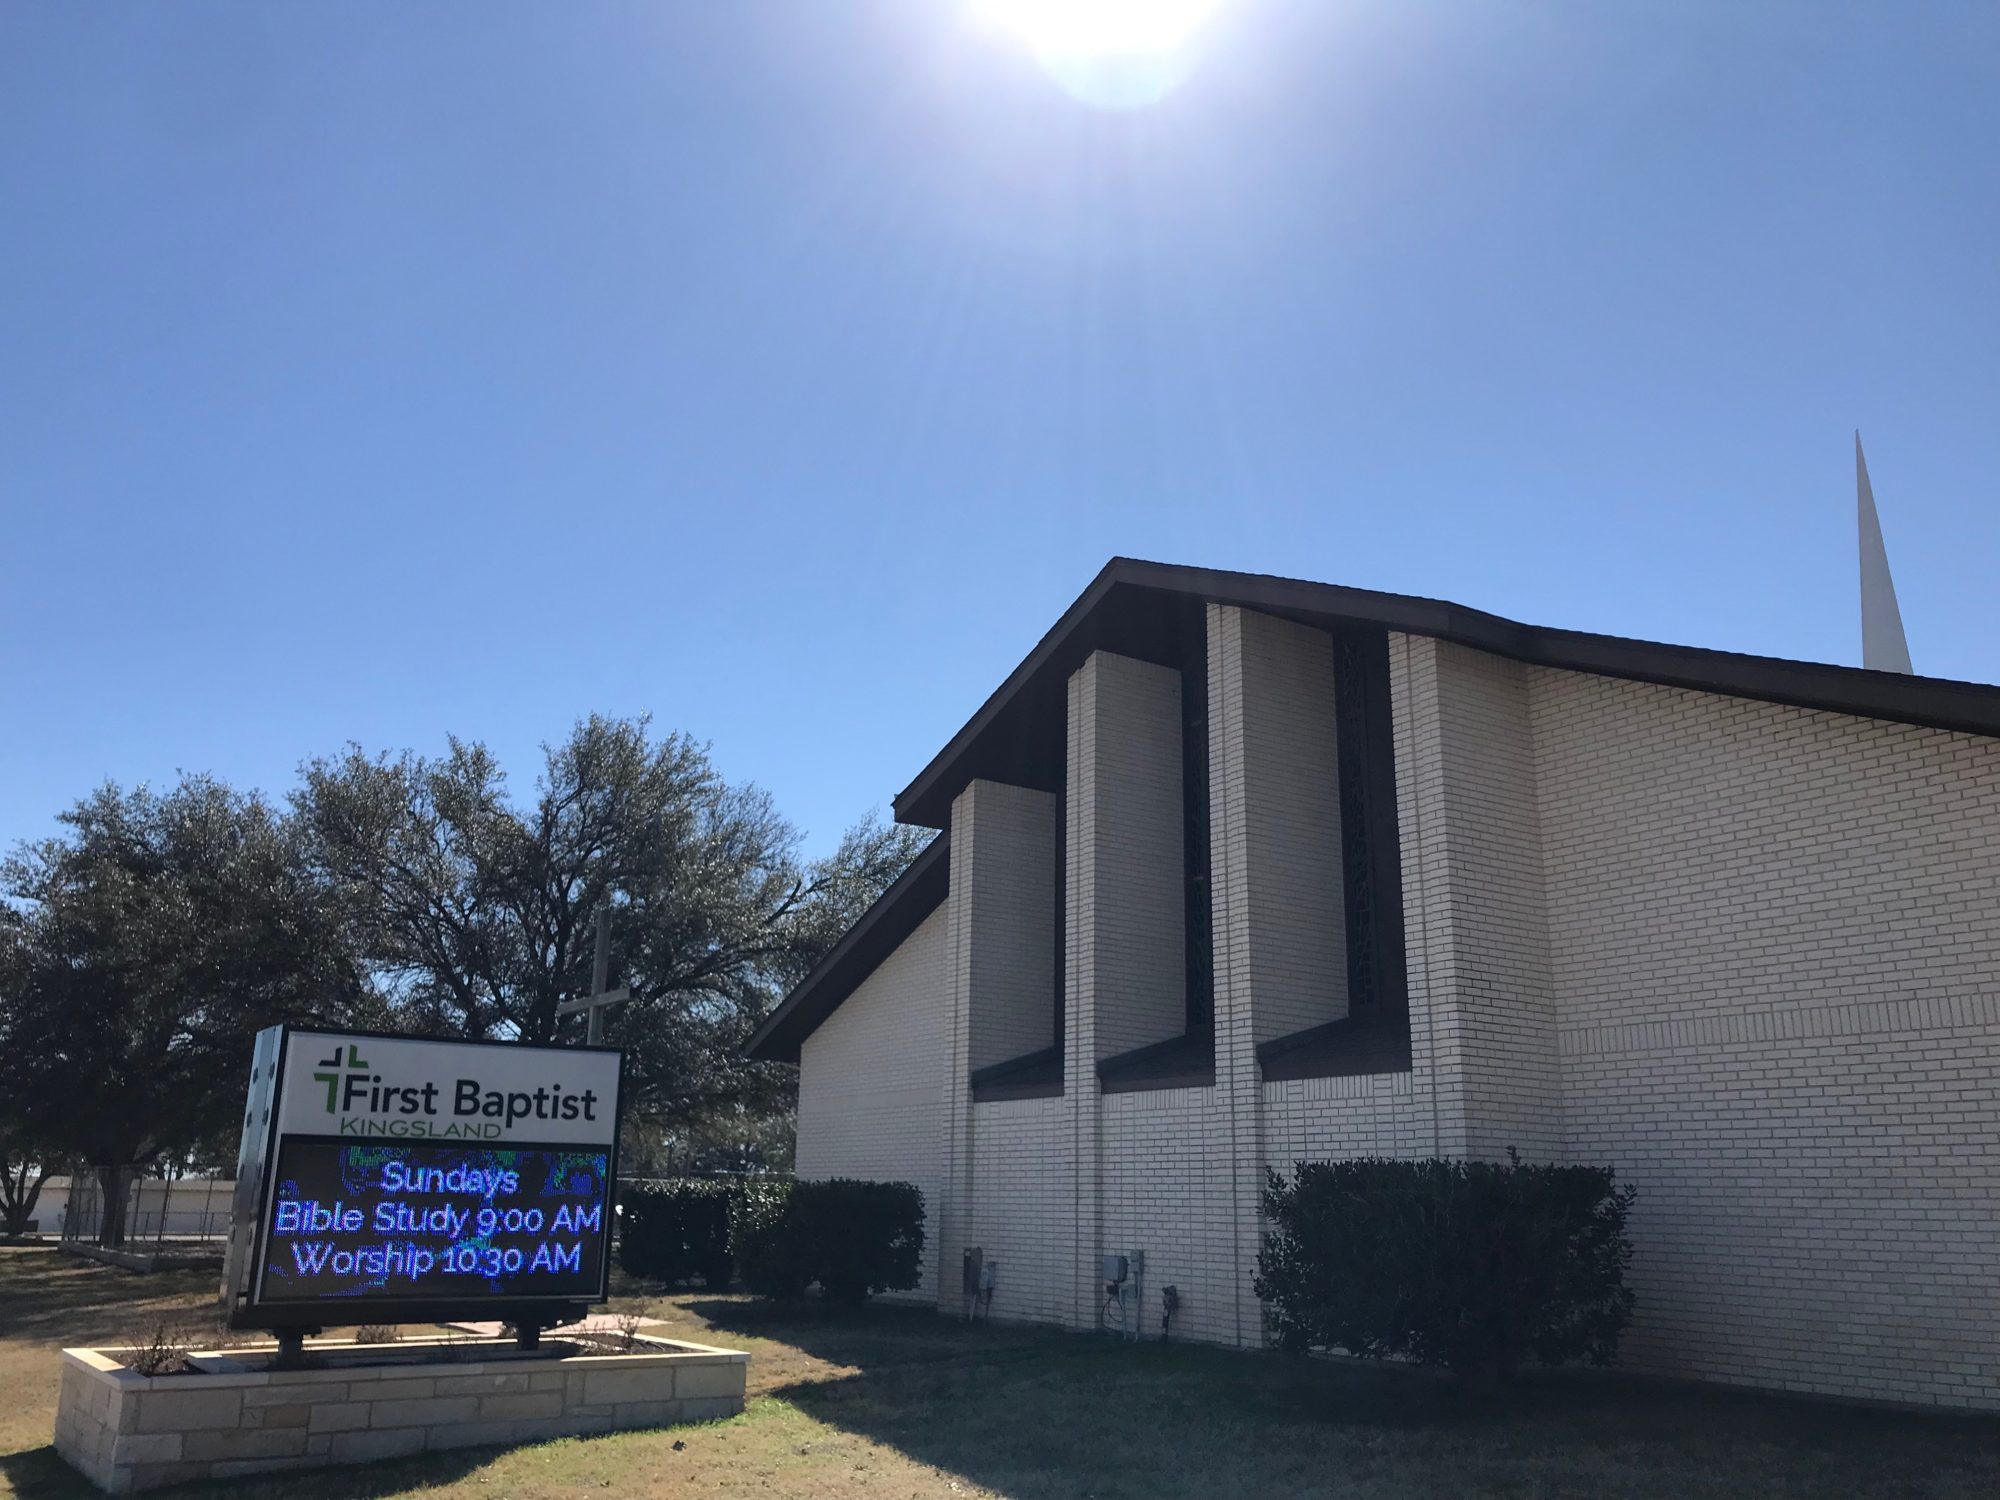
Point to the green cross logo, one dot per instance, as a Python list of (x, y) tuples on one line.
[(332, 1080)]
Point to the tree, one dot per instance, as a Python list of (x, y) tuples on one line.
[(144, 949), (24, 1170), (24, 1166), (479, 912), (737, 1142), (841, 887)]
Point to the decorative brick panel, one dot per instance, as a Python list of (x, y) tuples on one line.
[(1125, 806), (1003, 841), (1275, 793)]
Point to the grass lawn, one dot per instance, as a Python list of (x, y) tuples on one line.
[(893, 1403)]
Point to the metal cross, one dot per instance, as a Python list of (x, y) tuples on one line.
[(599, 997)]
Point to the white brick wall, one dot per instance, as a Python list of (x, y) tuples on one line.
[(1328, 1119), (1168, 1191), (1711, 854), (1022, 1209), (1775, 935), (871, 1076), (1496, 1018)]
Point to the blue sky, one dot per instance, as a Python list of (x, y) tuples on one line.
[(374, 372)]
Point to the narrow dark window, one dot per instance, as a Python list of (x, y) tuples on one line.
[(1194, 856), (1057, 959), (1371, 853)]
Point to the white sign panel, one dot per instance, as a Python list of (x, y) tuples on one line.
[(399, 1088)]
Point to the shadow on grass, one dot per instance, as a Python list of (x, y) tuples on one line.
[(873, 1337), (1161, 1424), (880, 1339), (41, 1474), (1032, 1413), (49, 1297)]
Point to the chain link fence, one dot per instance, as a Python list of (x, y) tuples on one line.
[(158, 1211)]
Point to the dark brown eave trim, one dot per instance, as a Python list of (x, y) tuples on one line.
[(1339, 1049), (1181, 1062), (1038, 1075), (1930, 702), (880, 930)]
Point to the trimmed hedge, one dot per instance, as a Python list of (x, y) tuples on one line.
[(766, 1257), (676, 1230), (1468, 1265), (856, 1237), (851, 1237)]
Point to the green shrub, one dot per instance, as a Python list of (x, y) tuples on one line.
[(858, 1237), (1469, 1265), (675, 1230), (766, 1256), (851, 1237)]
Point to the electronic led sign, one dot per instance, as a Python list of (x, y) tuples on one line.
[(398, 1178)]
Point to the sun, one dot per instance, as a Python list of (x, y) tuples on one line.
[(1116, 54), (1081, 30)]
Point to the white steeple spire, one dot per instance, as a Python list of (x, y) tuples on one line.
[(1882, 644)]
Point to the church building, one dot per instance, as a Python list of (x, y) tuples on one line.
[(1234, 872)]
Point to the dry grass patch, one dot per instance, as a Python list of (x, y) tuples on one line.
[(891, 1403)]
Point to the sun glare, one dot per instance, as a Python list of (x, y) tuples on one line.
[(1118, 54), (1075, 30)]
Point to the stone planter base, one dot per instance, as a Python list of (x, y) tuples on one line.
[(235, 1415)]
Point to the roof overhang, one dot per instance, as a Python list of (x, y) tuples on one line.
[(1148, 610), (1157, 612)]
